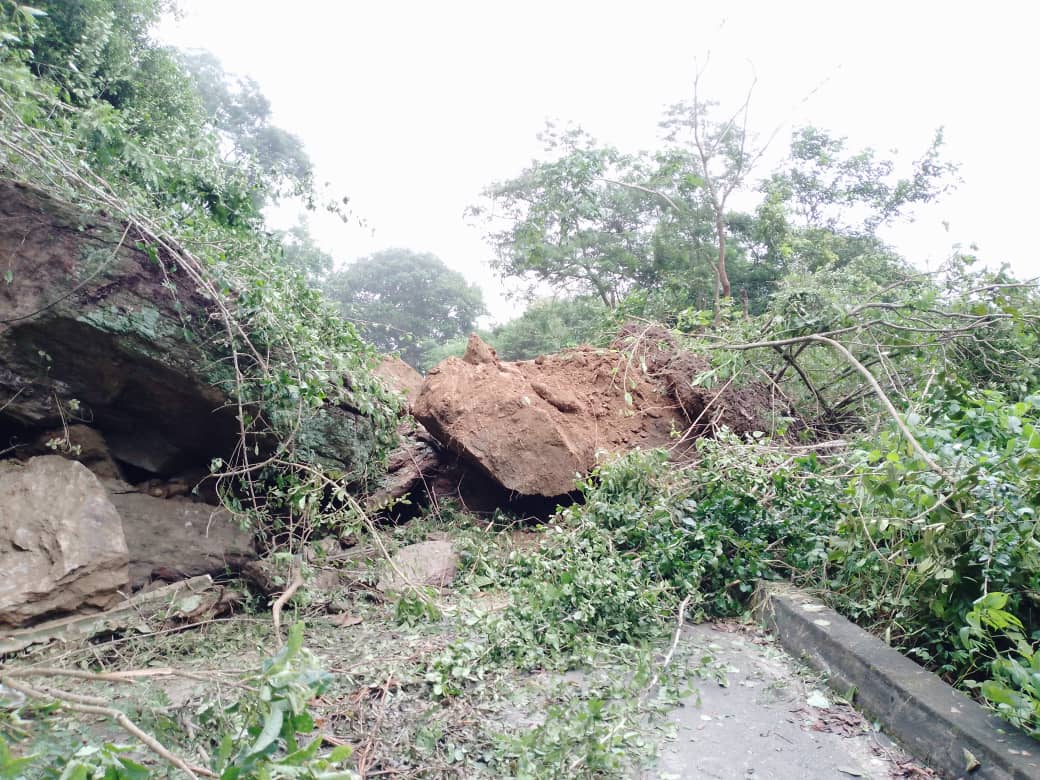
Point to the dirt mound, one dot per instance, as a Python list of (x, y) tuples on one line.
[(400, 377), (533, 425), (742, 409)]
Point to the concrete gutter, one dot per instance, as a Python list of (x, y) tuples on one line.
[(939, 725)]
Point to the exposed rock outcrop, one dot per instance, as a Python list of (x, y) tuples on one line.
[(98, 324), (177, 537), (408, 468), (87, 317), (417, 455), (61, 541)]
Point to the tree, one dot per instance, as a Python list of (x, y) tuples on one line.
[(566, 226), (173, 124), (405, 301), (301, 252), (824, 187), (823, 208), (707, 162), (551, 325), (242, 114)]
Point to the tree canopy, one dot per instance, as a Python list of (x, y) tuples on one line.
[(405, 301), (654, 235)]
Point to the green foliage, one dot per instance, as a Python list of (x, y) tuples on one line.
[(593, 736), (302, 253), (827, 189), (551, 325), (643, 236), (611, 570), (241, 114), (920, 549), (407, 302), (565, 225), (107, 761), (259, 735), (413, 608), (1013, 689)]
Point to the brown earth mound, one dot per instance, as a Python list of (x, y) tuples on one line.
[(399, 377), (740, 408), (533, 426)]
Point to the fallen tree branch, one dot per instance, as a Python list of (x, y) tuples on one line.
[(75, 703), (865, 372), (666, 662), (295, 583)]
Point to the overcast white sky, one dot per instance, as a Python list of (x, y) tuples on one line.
[(411, 108)]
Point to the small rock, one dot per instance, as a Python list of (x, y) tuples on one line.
[(425, 564)]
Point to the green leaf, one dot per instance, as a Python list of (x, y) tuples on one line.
[(341, 753), (131, 770), (272, 728)]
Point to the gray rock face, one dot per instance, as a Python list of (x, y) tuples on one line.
[(61, 541), (425, 564), (407, 468), (179, 536), (92, 318), (95, 328)]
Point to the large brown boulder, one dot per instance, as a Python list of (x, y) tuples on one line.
[(61, 541), (532, 426), (178, 537)]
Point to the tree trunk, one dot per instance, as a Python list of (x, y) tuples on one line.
[(720, 232)]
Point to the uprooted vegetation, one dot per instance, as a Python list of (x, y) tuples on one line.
[(864, 430)]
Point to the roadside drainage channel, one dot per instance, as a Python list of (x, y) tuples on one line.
[(938, 724)]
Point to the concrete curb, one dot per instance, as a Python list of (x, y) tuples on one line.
[(929, 718)]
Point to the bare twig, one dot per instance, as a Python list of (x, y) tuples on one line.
[(295, 583), (680, 621), (77, 704), (871, 380)]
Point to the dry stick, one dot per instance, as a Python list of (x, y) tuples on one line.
[(129, 676), (871, 380), (680, 621), (791, 361), (280, 602), (66, 702)]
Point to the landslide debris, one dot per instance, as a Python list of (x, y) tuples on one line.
[(533, 426)]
